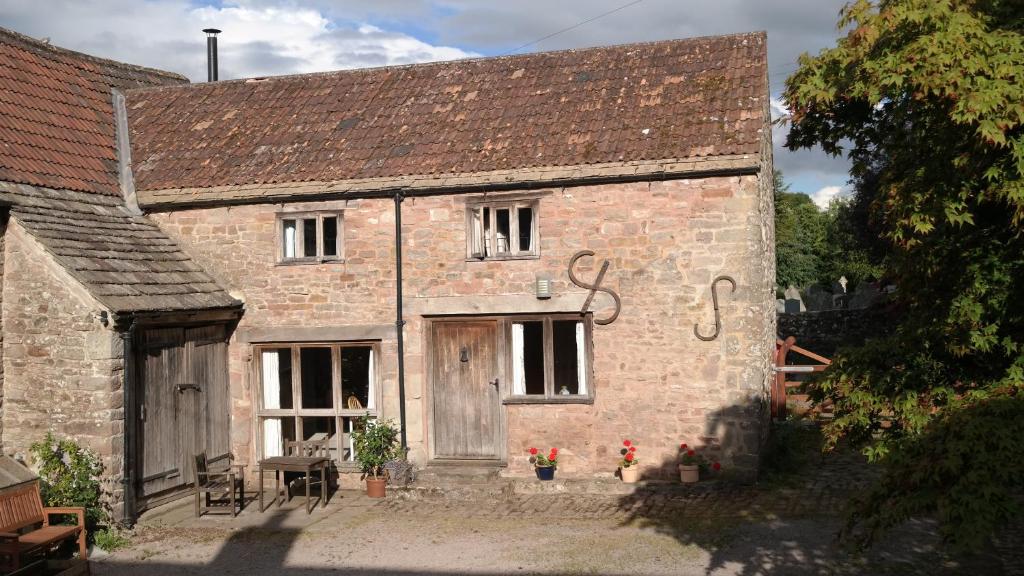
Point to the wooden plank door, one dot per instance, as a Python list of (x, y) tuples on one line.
[(162, 362), (466, 402), (184, 405)]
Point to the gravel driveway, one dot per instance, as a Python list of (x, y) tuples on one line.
[(737, 531)]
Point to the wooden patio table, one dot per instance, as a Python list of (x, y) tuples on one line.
[(304, 464)]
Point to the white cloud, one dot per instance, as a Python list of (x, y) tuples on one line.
[(825, 195), (779, 109), (258, 40)]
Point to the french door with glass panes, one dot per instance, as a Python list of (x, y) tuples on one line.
[(314, 391)]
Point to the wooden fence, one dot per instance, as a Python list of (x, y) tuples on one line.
[(781, 395)]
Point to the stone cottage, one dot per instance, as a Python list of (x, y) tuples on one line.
[(216, 266)]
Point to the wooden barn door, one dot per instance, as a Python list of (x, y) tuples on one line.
[(466, 402), (183, 405)]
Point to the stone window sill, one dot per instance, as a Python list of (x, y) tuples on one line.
[(505, 257), (549, 400), (310, 261)]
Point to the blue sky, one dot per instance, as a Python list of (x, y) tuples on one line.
[(270, 37)]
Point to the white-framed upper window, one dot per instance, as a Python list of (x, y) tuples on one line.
[(502, 229), (310, 237)]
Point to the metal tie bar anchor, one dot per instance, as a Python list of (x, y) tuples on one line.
[(595, 287), (718, 316)]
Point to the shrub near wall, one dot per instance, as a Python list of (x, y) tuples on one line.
[(69, 476)]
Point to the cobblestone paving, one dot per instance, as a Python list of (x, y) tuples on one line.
[(710, 529), (823, 492)]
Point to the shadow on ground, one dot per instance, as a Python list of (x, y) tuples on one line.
[(787, 521)]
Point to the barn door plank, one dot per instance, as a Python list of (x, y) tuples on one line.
[(162, 360), (209, 370)]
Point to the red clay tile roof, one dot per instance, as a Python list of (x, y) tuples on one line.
[(58, 176), (56, 115), (702, 97)]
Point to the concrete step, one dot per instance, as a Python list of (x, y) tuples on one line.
[(444, 475)]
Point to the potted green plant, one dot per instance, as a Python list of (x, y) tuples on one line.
[(543, 465), (629, 465), (375, 444), (691, 462)]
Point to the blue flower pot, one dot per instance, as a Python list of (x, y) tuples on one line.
[(545, 472)]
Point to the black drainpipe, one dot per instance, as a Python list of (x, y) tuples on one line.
[(399, 320), (130, 422)]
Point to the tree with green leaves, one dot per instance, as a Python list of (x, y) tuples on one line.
[(926, 97), (850, 246), (818, 247), (799, 233)]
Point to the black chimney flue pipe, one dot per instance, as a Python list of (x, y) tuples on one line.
[(211, 54)]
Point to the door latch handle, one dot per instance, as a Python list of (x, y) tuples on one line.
[(494, 383), (183, 387)]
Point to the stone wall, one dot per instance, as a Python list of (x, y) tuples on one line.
[(3, 240), (825, 331), (62, 368), (655, 383)]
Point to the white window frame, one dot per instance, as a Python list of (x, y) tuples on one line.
[(319, 257), (477, 242), (344, 417)]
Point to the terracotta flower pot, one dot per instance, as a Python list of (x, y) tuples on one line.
[(689, 474), (630, 475), (376, 487)]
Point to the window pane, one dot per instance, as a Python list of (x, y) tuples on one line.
[(533, 357), (348, 425), (567, 351), (525, 229), (277, 431), (309, 237), (321, 428), (503, 226), (288, 239), (476, 232), (488, 249), (277, 378), (356, 376), (316, 373), (330, 236)]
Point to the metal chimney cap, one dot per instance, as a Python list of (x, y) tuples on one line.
[(213, 31)]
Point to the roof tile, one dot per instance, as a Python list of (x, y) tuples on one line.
[(59, 102), (567, 108)]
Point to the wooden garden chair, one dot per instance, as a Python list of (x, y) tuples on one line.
[(319, 445), (214, 488)]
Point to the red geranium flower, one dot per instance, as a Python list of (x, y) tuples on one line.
[(627, 443), (691, 453), (533, 451), (632, 448), (554, 450), (629, 457), (682, 446), (716, 466)]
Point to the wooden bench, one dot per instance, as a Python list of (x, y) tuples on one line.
[(25, 529)]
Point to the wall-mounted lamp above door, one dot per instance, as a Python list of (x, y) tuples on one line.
[(464, 354)]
